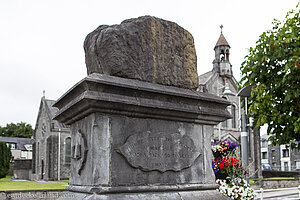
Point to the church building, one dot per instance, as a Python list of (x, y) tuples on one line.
[(52, 148), (221, 82)]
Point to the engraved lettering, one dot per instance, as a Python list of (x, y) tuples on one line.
[(159, 151)]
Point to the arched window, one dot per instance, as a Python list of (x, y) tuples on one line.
[(233, 116), (224, 123), (222, 56), (227, 55), (37, 157), (68, 150)]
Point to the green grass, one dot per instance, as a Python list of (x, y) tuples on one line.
[(32, 185), (6, 179), (252, 181), (279, 178)]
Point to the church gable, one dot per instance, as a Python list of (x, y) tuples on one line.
[(43, 121), (50, 145), (230, 137)]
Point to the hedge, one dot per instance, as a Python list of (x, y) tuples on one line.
[(5, 158)]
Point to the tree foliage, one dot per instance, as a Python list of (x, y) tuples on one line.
[(273, 66), (5, 158), (21, 129)]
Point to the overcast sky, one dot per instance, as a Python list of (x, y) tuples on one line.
[(41, 41)]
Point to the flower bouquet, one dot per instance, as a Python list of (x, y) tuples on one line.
[(225, 163), (223, 148), (228, 167), (230, 173), (237, 189)]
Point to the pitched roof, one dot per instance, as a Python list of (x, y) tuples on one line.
[(19, 141), (203, 78), (51, 111), (222, 41)]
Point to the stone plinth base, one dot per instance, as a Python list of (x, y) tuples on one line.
[(139, 140), (180, 192)]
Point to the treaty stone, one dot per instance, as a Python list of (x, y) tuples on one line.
[(145, 48), (133, 136)]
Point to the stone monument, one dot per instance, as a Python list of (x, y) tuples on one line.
[(139, 128)]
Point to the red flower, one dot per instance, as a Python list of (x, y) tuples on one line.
[(226, 163), (221, 166)]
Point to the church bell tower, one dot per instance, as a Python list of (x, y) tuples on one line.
[(221, 63)]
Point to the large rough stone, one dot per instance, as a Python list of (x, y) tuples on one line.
[(146, 48)]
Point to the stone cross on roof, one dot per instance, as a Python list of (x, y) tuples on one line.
[(222, 41)]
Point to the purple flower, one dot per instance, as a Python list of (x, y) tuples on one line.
[(227, 143), (215, 167)]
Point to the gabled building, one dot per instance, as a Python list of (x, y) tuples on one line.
[(21, 148), (220, 81), (52, 148)]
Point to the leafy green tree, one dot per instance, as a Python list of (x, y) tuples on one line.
[(273, 67), (5, 158), (17, 130)]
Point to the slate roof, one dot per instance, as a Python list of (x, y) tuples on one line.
[(19, 141), (203, 78), (222, 41), (51, 111), (209, 77)]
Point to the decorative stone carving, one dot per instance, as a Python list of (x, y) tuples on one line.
[(159, 151), (79, 151), (44, 129), (146, 48)]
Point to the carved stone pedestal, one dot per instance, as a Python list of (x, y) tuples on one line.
[(138, 140)]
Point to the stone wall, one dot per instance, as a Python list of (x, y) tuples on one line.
[(22, 169), (272, 173), (276, 183), (46, 149)]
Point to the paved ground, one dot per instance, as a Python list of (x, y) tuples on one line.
[(286, 193)]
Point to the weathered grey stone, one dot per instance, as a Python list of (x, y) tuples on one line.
[(209, 176), (109, 110), (146, 48), (122, 173), (91, 168), (164, 195), (159, 151), (110, 94), (46, 146), (135, 139)]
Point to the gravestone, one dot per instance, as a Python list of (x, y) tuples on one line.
[(139, 128)]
